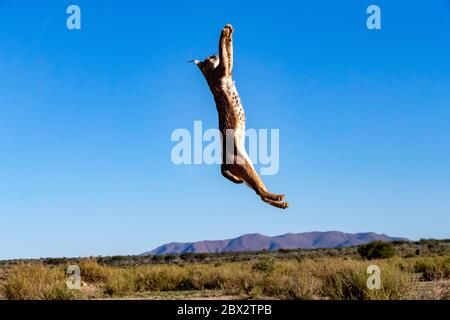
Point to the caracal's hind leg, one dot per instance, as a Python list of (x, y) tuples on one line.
[(272, 196), (227, 174), (278, 204)]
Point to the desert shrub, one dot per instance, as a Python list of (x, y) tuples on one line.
[(188, 256), (158, 259), (55, 261), (166, 278), (36, 282), (265, 265), (161, 278), (296, 286), (347, 280), (286, 280), (202, 256), (292, 280), (146, 278), (343, 285), (121, 283), (169, 258), (93, 272), (433, 268), (377, 250), (120, 258), (201, 277)]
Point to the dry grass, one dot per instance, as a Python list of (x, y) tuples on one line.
[(93, 272), (432, 269), (324, 278), (36, 282), (348, 280)]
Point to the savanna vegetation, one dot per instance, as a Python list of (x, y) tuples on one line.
[(409, 270)]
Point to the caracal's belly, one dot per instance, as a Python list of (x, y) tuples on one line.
[(232, 117)]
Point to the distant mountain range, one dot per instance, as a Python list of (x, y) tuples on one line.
[(258, 242)]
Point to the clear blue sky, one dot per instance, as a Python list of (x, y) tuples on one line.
[(86, 118)]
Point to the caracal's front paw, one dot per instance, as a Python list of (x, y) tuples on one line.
[(228, 29)]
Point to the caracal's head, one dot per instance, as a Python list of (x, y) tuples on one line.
[(207, 65)]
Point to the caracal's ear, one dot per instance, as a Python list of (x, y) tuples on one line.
[(198, 63)]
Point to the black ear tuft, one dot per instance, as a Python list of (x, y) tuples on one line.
[(199, 64)]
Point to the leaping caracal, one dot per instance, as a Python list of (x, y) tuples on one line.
[(236, 165)]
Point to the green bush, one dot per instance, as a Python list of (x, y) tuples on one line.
[(377, 250), (265, 265)]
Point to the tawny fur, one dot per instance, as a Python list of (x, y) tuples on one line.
[(236, 165)]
